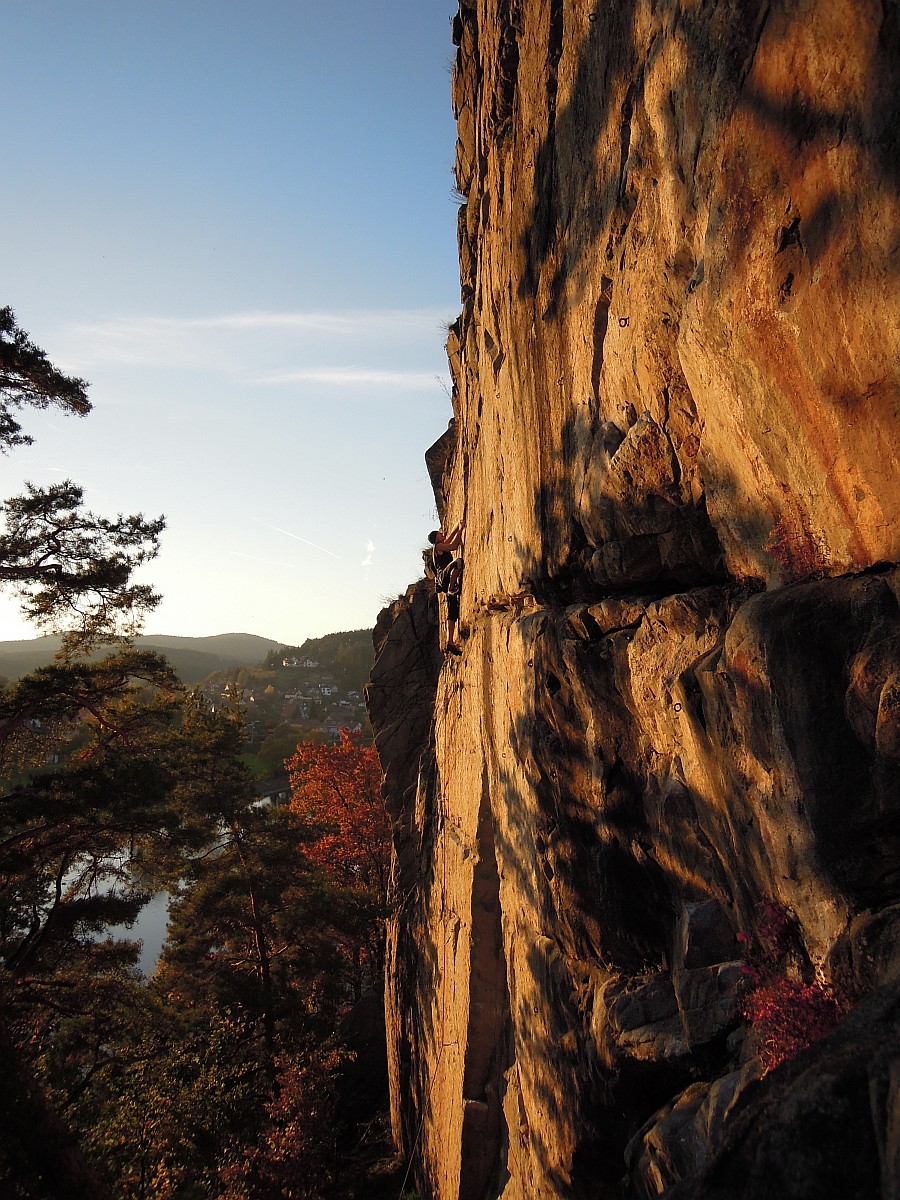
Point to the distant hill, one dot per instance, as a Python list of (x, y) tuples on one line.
[(243, 648), (192, 657), (347, 656), (298, 693)]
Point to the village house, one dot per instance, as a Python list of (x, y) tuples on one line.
[(294, 660)]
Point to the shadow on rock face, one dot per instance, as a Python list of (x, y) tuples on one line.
[(658, 745)]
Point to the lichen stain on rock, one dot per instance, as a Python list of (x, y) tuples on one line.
[(674, 441)]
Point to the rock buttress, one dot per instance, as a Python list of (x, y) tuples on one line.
[(677, 713)]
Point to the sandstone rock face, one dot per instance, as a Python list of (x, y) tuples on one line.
[(675, 440)]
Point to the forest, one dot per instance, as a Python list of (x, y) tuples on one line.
[(250, 1065)]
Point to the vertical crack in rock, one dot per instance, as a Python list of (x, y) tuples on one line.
[(484, 1132), (400, 696)]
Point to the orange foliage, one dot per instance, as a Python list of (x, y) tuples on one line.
[(336, 789), (297, 1154)]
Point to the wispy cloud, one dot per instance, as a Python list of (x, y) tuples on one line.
[(354, 377), (380, 321), (370, 550), (238, 340)]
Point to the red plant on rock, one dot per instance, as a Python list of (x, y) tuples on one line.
[(779, 942), (798, 551), (786, 1012), (787, 1016)]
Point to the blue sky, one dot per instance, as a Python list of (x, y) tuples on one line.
[(236, 221)]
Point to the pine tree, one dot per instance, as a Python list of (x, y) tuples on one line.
[(67, 827), (70, 568)]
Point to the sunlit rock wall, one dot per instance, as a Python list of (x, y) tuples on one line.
[(675, 446)]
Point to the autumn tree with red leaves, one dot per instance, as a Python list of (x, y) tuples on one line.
[(336, 791)]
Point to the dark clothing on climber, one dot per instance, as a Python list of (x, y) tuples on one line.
[(447, 568)]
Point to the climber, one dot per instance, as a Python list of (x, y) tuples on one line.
[(447, 567)]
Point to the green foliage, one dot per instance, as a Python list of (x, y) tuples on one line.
[(274, 660), (178, 1096), (254, 765), (347, 656), (82, 778), (221, 1077), (62, 829), (27, 377), (69, 564), (249, 893), (281, 743), (70, 568), (78, 843)]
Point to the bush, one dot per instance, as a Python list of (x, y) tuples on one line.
[(787, 1016), (786, 1011), (297, 1156)]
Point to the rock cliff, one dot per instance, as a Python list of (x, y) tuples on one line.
[(646, 825)]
